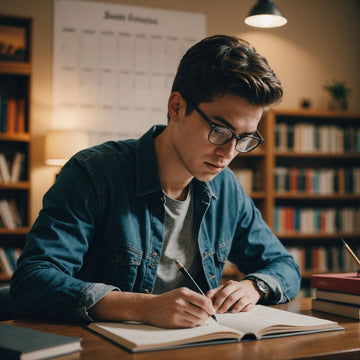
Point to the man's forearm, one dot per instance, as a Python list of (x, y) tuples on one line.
[(120, 306)]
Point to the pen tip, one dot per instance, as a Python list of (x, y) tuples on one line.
[(178, 264)]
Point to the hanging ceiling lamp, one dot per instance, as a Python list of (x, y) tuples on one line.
[(265, 14)]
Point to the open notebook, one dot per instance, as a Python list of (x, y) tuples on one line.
[(261, 322)]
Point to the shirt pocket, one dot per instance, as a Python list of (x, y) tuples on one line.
[(122, 267), (221, 255), (215, 262)]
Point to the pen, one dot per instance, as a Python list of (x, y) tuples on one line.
[(190, 278), (347, 247)]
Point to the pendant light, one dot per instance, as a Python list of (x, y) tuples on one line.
[(265, 14)]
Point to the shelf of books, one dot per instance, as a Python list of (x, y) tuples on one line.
[(305, 179), (15, 139)]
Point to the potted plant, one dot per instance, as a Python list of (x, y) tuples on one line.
[(339, 93)]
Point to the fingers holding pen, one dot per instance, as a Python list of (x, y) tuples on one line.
[(179, 308), (199, 305)]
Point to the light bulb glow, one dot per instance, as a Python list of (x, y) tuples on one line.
[(265, 21)]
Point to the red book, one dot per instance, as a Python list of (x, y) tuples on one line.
[(20, 120), (294, 179), (289, 219), (11, 116), (342, 282)]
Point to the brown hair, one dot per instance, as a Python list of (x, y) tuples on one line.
[(222, 64)]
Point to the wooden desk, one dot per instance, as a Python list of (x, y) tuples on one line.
[(328, 345)]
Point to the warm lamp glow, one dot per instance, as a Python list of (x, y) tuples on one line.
[(60, 145), (265, 21), (265, 14)]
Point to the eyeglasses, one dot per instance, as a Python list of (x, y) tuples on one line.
[(221, 135)]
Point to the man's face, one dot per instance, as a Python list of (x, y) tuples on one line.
[(200, 158)]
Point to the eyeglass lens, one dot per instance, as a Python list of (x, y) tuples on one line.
[(221, 135)]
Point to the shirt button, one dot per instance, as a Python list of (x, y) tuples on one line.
[(154, 254), (147, 291), (151, 266)]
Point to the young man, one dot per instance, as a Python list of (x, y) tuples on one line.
[(105, 243)]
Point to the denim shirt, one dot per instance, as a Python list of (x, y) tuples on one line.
[(101, 229)]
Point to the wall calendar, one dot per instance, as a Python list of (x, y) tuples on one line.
[(113, 65)]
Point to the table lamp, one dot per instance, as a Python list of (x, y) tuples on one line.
[(60, 145)]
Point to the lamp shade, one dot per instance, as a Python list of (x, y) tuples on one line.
[(265, 14), (60, 145)]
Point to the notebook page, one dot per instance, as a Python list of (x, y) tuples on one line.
[(262, 317), (146, 335)]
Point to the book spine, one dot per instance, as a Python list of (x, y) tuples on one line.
[(335, 284), (318, 220), (323, 259), (304, 137), (4, 169), (336, 308), (3, 109), (317, 181), (17, 167), (11, 215), (5, 263), (11, 115), (246, 179), (21, 126)]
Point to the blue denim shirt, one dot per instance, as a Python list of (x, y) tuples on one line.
[(101, 229)]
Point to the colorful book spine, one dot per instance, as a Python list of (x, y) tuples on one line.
[(323, 259), (305, 137), (331, 220), (322, 181)]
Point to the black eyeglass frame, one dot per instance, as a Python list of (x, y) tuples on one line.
[(257, 136)]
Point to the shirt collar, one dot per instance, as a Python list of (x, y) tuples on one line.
[(147, 175)]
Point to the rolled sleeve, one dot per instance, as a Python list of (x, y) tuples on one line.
[(91, 294), (278, 296)]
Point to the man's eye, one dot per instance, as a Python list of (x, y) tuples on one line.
[(221, 131), (244, 139)]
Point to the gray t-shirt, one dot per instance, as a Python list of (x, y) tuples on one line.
[(179, 243)]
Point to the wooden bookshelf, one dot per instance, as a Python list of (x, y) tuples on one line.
[(271, 155), (15, 84)]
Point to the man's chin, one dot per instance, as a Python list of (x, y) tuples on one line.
[(206, 177)]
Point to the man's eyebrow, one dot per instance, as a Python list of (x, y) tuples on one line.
[(225, 122), (228, 125)]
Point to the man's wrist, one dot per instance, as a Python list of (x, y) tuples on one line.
[(262, 288)]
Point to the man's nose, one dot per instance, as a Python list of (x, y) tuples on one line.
[(228, 150)]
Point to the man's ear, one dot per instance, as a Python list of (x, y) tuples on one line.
[(176, 106)]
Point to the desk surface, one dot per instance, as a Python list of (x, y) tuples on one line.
[(328, 345)]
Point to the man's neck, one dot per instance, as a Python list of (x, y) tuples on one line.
[(173, 176)]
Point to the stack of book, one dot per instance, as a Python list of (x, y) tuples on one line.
[(338, 294)]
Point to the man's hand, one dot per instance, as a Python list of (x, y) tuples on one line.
[(234, 296), (179, 308)]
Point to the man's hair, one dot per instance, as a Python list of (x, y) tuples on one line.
[(222, 64)]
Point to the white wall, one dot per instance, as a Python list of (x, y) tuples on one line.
[(321, 41)]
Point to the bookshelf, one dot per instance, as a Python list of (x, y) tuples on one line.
[(15, 137), (307, 185)]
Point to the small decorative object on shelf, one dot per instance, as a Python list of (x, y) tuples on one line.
[(339, 94), (305, 103)]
